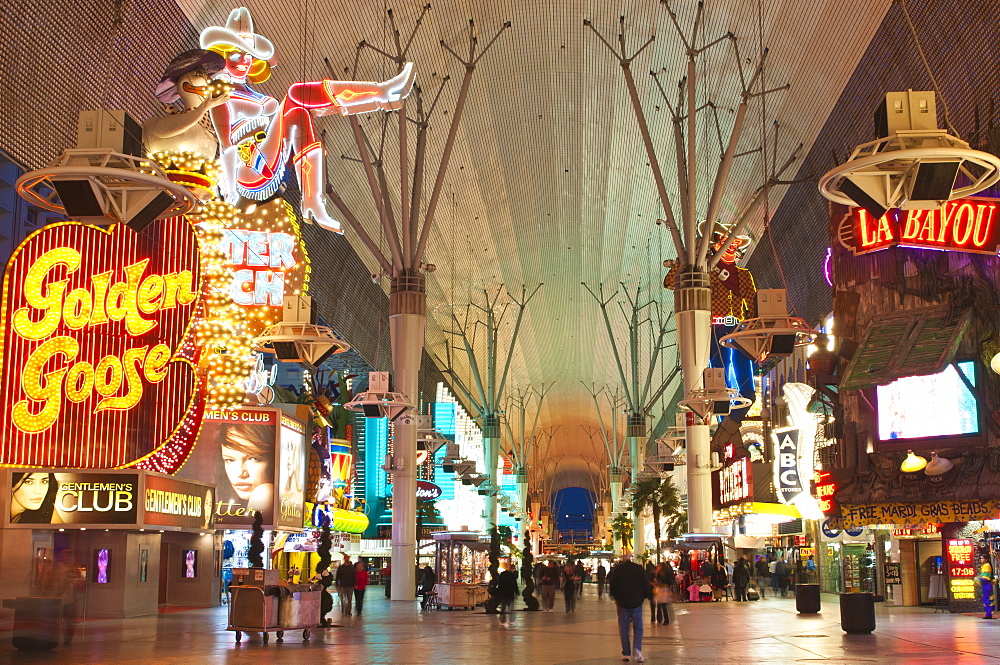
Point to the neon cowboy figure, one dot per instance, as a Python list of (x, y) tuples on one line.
[(258, 134)]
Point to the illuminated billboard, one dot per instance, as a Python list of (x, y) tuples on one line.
[(107, 499), (44, 497), (918, 407), (259, 457), (94, 371), (291, 473)]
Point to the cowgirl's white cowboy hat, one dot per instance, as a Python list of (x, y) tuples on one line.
[(238, 32)]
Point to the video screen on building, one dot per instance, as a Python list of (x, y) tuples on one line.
[(918, 407)]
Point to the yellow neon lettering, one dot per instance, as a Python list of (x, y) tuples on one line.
[(151, 294), (50, 299), (156, 362), (109, 376), (46, 388), (133, 386), (178, 289), (101, 282), (77, 309), (79, 381)]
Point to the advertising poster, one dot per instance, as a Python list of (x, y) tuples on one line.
[(43, 497), (291, 473), (174, 503), (242, 443)]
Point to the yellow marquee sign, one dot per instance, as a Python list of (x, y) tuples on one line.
[(917, 514)]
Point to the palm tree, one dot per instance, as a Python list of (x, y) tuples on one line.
[(622, 526), (660, 495)]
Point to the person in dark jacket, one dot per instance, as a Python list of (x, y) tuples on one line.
[(580, 574), (707, 568), (346, 579), (761, 574), (630, 587), (428, 578), (569, 586), (602, 578), (741, 578), (549, 584), (506, 592), (720, 580), (781, 571)]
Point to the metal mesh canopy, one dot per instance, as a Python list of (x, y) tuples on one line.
[(549, 182)]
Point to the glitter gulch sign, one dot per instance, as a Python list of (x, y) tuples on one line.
[(94, 372)]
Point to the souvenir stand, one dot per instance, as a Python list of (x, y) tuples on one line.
[(461, 562)]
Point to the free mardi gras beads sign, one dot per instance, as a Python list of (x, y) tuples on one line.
[(92, 371)]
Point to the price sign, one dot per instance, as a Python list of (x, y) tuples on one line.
[(961, 569)]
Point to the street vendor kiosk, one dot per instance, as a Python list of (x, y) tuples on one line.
[(461, 562)]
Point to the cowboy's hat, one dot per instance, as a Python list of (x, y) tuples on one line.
[(207, 61), (724, 230), (238, 32)]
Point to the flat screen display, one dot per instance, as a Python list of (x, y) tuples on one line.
[(190, 564), (918, 407)]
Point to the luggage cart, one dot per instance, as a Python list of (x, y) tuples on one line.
[(252, 610)]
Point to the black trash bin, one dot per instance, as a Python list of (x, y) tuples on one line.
[(807, 598), (857, 613), (37, 623)]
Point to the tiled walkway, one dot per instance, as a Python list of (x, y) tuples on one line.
[(768, 631)]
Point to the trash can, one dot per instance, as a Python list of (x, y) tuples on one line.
[(857, 613), (36, 623), (807, 598)]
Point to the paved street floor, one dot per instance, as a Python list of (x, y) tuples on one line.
[(767, 631)]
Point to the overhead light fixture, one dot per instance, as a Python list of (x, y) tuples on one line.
[(913, 165), (714, 399), (296, 339), (378, 401), (772, 333), (102, 187)]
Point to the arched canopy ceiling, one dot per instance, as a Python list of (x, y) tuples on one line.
[(549, 182)]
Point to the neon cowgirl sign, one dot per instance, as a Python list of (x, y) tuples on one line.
[(965, 225), (258, 134)]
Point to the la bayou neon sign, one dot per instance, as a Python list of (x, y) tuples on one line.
[(965, 225), (92, 371)]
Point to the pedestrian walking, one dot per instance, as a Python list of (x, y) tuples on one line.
[(781, 572), (360, 584), (629, 586), (506, 593), (580, 575), (761, 574), (772, 569), (569, 586), (346, 579), (550, 580), (602, 578), (663, 584), (741, 578)]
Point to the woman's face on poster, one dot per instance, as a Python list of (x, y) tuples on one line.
[(246, 471), (30, 493)]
